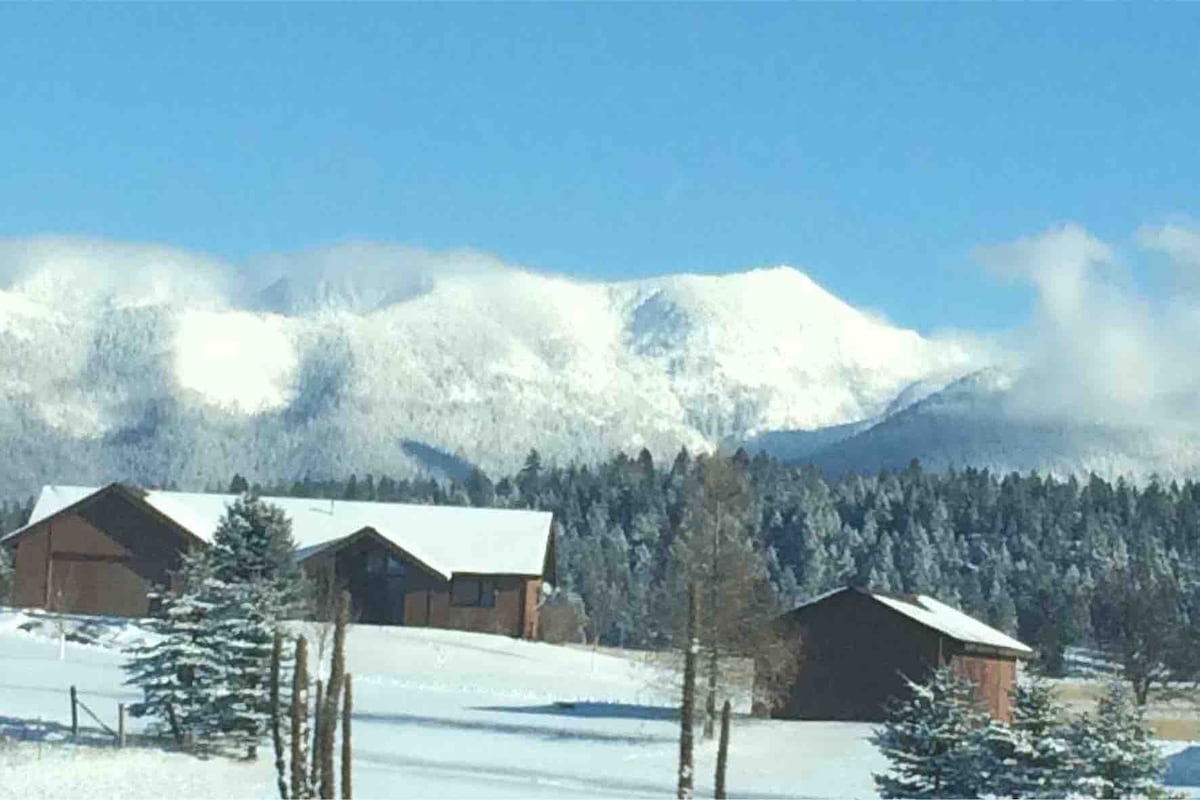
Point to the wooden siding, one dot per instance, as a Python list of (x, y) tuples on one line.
[(70, 564), (107, 553), (426, 595), (994, 677)]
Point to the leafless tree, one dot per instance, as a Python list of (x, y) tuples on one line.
[(719, 550)]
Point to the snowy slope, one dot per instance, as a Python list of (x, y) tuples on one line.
[(978, 421), (156, 366), (440, 714)]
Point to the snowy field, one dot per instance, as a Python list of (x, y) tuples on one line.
[(437, 714)]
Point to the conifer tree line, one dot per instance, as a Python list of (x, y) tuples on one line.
[(941, 742), (1055, 562)]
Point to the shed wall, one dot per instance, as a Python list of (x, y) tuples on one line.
[(88, 570), (994, 677), (855, 656)]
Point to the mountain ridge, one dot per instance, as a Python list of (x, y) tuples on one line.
[(163, 367)]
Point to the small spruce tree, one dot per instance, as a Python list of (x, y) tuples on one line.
[(935, 741), (1044, 764), (254, 562), (1116, 750)]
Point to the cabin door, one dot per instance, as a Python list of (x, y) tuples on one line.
[(387, 578)]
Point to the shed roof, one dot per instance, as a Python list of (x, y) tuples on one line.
[(448, 539), (940, 617)]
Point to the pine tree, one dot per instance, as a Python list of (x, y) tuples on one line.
[(1043, 764), (257, 584), (253, 545), (181, 670), (1116, 749), (245, 633), (935, 741)]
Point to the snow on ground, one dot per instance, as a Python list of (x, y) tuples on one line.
[(439, 714)]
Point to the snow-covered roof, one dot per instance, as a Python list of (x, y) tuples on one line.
[(951, 621), (941, 617), (448, 539)]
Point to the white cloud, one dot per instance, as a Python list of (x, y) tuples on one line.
[(80, 271), (355, 276), (1097, 350)]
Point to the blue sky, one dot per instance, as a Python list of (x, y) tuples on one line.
[(875, 146)]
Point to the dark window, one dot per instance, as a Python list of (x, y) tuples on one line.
[(472, 592)]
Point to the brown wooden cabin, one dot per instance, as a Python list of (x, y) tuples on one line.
[(858, 646), (108, 551), (389, 586)]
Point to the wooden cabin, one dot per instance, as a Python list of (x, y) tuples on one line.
[(858, 647), (108, 550)]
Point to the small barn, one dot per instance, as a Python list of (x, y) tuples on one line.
[(859, 646), (108, 550)]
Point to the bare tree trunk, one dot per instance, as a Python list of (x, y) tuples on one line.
[(710, 612), (314, 778), (333, 689), (710, 699), (300, 783), (687, 707), (722, 753), (281, 777), (347, 760)]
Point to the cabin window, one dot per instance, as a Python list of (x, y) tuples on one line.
[(472, 592)]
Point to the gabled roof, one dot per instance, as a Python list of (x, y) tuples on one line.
[(448, 539), (940, 617)]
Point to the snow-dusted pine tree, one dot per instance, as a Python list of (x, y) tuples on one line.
[(254, 562), (935, 741), (1116, 750), (253, 545), (245, 633), (1042, 762), (181, 669)]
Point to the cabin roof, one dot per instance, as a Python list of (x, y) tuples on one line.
[(938, 616), (448, 539)]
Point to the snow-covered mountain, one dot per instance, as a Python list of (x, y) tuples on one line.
[(983, 420), (147, 364), (159, 367)]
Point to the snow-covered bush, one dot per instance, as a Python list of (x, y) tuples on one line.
[(936, 741)]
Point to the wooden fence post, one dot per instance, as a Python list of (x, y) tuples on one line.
[(120, 724), (74, 713), (347, 750)]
